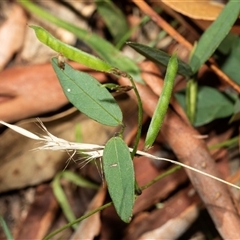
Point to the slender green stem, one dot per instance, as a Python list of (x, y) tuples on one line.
[(5, 228), (139, 131), (162, 175), (138, 191), (228, 143), (77, 220), (140, 116), (191, 98), (172, 170)]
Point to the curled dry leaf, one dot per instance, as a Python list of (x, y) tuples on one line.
[(203, 12), (12, 34), (204, 9)]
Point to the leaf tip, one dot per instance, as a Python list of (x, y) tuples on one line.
[(147, 147)]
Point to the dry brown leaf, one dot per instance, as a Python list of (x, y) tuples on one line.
[(32, 91), (40, 215), (12, 34), (171, 208), (145, 171), (90, 227), (175, 227), (202, 12), (197, 9)]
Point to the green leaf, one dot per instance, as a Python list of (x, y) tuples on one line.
[(160, 57), (5, 228), (236, 115), (129, 33), (211, 104), (119, 174), (214, 35), (191, 98), (227, 43), (102, 47), (87, 95), (77, 179), (113, 17), (230, 63)]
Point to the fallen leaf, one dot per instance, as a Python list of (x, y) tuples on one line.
[(202, 12), (90, 227), (12, 33), (170, 208), (175, 227), (40, 215), (197, 9), (32, 91)]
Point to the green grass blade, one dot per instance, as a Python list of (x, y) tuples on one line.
[(78, 180), (62, 199), (60, 195), (160, 57), (215, 34), (5, 229), (113, 17), (128, 34)]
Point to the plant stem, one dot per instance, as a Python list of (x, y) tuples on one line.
[(138, 191), (140, 117), (162, 175), (227, 143), (77, 220)]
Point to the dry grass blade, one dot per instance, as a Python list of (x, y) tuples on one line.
[(93, 151)]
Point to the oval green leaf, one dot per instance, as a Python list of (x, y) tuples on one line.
[(211, 104), (87, 95), (119, 173), (236, 115)]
